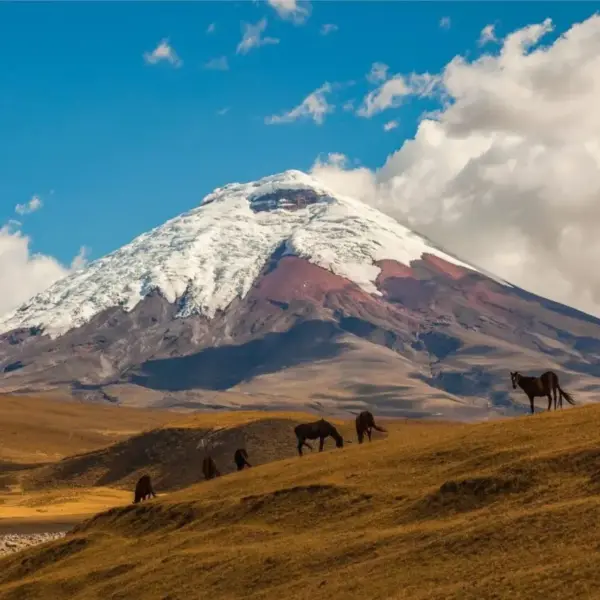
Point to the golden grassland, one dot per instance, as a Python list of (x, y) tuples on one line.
[(505, 509), (37, 430)]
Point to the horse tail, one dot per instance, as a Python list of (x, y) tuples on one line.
[(379, 428), (565, 395)]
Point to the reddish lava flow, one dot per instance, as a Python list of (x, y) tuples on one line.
[(444, 267), (295, 278)]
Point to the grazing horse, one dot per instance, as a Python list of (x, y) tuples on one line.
[(538, 387), (209, 468), (365, 423), (240, 458), (317, 429), (143, 489)]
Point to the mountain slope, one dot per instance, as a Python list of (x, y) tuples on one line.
[(433, 511), (269, 279)]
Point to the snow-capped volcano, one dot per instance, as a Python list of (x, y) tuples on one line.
[(207, 257), (281, 293)]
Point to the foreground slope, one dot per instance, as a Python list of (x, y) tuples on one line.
[(269, 279), (435, 511)]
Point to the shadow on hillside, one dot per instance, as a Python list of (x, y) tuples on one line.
[(223, 367)]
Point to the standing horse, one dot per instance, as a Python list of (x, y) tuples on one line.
[(365, 423), (209, 468), (317, 429), (538, 387), (143, 489), (240, 458)]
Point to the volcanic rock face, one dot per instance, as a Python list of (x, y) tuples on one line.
[(275, 277)]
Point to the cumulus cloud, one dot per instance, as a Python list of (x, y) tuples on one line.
[(507, 174), (252, 37), (315, 106), (328, 28), (292, 10), (34, 204), (218, 64), (487, 35), (390, 125), (24, 274), (445, 23), (164, 52)]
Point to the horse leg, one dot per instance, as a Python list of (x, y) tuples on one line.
[(369, 433), (549, 400), (300, 444), (321, 443), (361, 435), (531, 402)]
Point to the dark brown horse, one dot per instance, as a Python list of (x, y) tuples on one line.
[(143, 489), (538, 387), (365, 423), (209, 468), (317, 429), (240, 458)]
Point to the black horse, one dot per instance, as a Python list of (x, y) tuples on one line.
[(317, 429), (143, 489), (538, 387), (240, 458)]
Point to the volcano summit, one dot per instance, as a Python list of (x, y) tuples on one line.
[(281, 293)]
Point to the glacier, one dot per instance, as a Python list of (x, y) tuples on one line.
[(212, 254)]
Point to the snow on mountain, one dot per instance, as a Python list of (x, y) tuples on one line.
[(207, 257)]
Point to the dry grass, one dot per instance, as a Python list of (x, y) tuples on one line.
[(506, 509), (36, 430)]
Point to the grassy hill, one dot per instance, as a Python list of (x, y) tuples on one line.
[(172, 454), (38, 430), (505, 509)]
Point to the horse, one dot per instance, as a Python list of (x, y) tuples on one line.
[(365, 423), (317, 429), (545, 385), (143, 489), (209, 468), (240, 458)]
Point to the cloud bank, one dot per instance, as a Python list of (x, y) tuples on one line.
[(23, 274), (507, 173)]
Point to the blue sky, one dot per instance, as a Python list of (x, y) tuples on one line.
[(113, 145)]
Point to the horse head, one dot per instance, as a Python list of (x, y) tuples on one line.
[(514, 377)]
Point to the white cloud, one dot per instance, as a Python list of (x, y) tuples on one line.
[(508, 173), (252, 37), (392, 92), (292, 10), (80, 260), (23, 274), (315, 106), (378, 72), (163, 52), (34, 204), (218, 64), (223, 111), (390, 125), (487, 35), (328, 28), (389, 95), (445, 22), (211, 28)]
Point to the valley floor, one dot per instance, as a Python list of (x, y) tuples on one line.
[(505, 509)]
